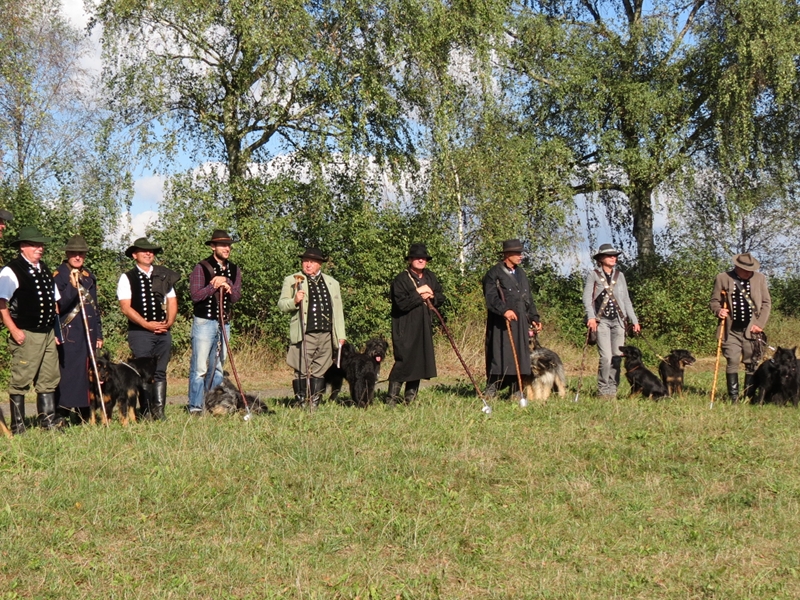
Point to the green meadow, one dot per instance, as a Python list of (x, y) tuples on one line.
[(594, 499)]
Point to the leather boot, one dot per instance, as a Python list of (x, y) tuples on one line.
[(394, 393), (748, 386), (145, 402), (412, 387), (733, 387), (46, 410), (299, 388), (159, 401), (17, 402), (317, 390)]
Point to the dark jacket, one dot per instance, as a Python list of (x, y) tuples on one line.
[(759, 292), (515, 295), (412, 327)]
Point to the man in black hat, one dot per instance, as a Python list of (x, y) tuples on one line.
[(76, 285), (608, 310), (412, 327), (28, 298), (209, 276), (741, 298), (509, 301), (147, 298), (319, 298)]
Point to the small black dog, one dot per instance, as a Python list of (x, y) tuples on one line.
[(360, 370), (776, 379), (547, 373), (641, 380), (671, 370), (225, 399), (122, 384)]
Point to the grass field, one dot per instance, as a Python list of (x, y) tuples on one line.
[(625, 499)]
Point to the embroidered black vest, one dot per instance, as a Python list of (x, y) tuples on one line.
[(33, 305), (143, 300), (320, 306), (209, 308)]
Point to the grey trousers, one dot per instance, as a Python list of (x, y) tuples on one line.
[(320, 355), (736, 348), (610, 336)]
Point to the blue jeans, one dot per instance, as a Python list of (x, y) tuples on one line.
[(205, 335)]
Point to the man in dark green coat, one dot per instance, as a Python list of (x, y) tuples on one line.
[(412, 332)]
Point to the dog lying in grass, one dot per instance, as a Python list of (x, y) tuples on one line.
[(123, 383), (225, 399), (671, 370), (547, 373), (641, 380), (360, 369), (776, 380)]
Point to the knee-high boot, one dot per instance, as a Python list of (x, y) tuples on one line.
[(17, 402), (299, 387), (412, 387), (748, 390), (158, 402), (145, 401), (733, 387), (394, 393), (317, 390), (46, 410)]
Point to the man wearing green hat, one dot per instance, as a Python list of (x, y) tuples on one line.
[(28, 298), (147, 298)]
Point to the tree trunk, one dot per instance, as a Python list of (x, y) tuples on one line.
[(642, 209)]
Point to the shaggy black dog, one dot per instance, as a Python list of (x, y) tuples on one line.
[(641, 380), (122, 385), (225, 399), (776, 379), (361, 371), (671, 370), (547, 373)]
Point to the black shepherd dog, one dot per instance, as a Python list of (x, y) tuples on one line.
[(225, 399), (776, 379), (671, 370), (360, 370), (122, 384), (641, 380)]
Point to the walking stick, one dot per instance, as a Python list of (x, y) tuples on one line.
[(486, 408), (249, 415), (583, 363), (299, 283), (719, 351), (91, 355), (522, 401)]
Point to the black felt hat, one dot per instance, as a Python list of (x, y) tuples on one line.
[(418, 251), (313, 254), (512, 246)]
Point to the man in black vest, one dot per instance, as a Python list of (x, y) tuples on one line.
[(28, 298), (209, 276), (147, 298)]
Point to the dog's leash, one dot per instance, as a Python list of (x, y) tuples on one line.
[(650, 346)]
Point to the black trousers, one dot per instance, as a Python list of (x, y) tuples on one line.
[(146, 343)]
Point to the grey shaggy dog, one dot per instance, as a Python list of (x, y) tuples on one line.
[(547, 373), (226, 400)]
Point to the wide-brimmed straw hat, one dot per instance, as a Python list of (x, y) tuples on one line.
[(418, 251), (77, 243), (31, 234), (746, 261), (513, 245), (313, 254), (606, 250), (220, 236), (142, 244)]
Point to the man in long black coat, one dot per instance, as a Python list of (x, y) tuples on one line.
[(507, 293), (72, 395), (412, 333)]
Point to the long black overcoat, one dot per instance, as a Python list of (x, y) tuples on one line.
[(517, 293), (73, 352), (412, 327)]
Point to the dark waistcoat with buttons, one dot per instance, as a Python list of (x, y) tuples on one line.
[(33, 305), (209, 308), (143, 299), (320, 306)]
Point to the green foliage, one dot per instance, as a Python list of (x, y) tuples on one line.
[(785, 292)]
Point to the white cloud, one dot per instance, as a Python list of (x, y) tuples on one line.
[(140, 222), (148, 192), (75, 13)]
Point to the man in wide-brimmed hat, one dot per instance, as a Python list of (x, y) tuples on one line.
[(318, 297), (75, 283), (509, 301), (608, 311), (147, 298), (28, 298), (210, 276), (412, 327), (741, 298)]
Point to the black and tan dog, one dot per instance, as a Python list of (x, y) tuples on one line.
[(225, 399), (547, 373), (776, 380), (122, 385), (671, 370), (360, 369), (642, 380)]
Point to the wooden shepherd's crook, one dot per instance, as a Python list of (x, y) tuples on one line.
[(719, 350)]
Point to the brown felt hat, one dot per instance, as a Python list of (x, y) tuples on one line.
[(77, 243), (746, 261), (220, 236)]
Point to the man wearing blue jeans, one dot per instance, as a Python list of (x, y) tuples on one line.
[(210, 276)]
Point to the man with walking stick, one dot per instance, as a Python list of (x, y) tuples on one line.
[(742, 301), (412, 325), (316, 328), (209, 276), (75, 282), (511, 317)]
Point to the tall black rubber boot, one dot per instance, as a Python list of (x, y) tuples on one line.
[(17, 402), (733, 387), (394, 393), (412, 387), (158, 402), (299, 388), (749, 391), (145, 402), (46, 411), (317, 390)]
